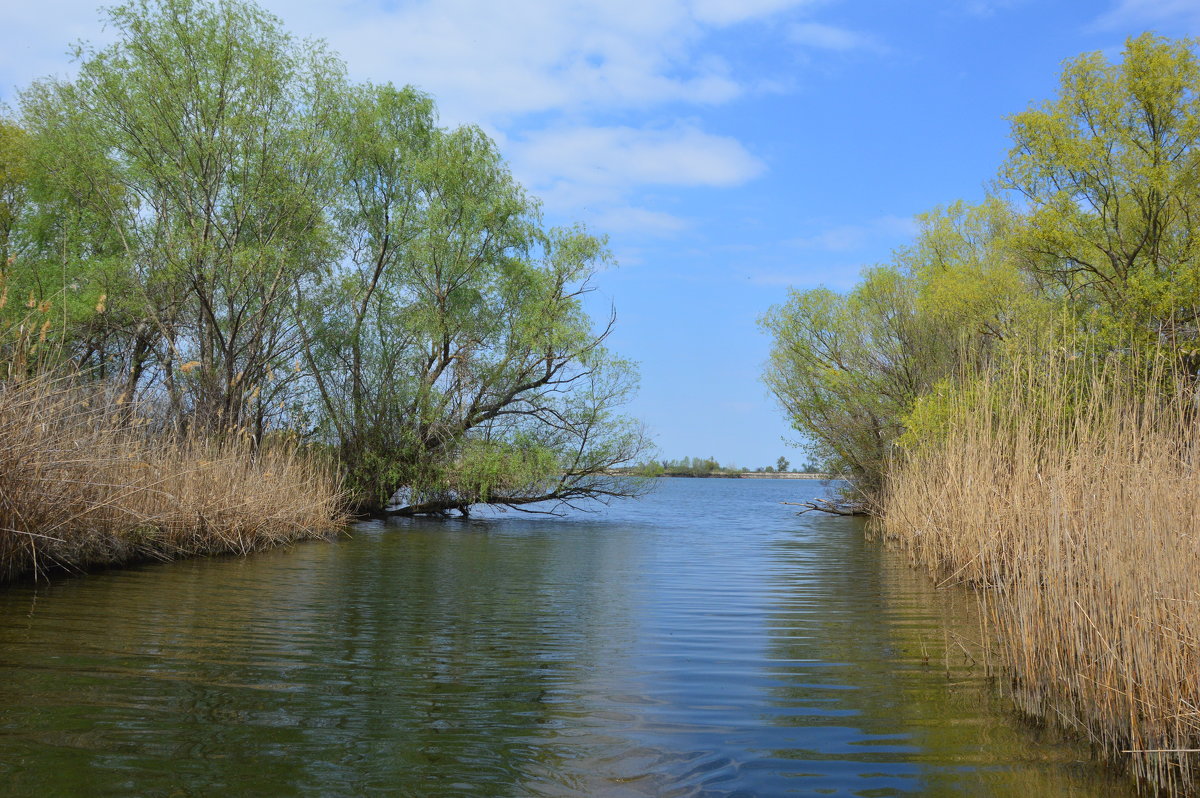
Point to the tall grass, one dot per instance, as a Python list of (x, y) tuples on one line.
[(1071, 496), (83, 483)]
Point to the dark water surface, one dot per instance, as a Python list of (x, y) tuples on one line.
[(704, 641)]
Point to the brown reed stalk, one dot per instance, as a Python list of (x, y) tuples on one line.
[(1070, 495), (83, 483)]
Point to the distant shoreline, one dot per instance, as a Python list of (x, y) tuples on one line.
[(751, 475)]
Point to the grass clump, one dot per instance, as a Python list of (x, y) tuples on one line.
[(1069, 493), (84, 481)]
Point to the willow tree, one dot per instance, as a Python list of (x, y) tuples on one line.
[(848, 369), (452, 359), (258, 244), (14, 181), (1108, 171), (197, 139)]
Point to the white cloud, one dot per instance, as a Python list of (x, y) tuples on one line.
[(627, 156), (593, 170), (483, 60), (489, 60), (545, 77), (725, 12), (636, 220), (1142, 13), (829, 37)]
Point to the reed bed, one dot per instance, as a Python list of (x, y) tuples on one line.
[(1070, 495), (83, 482)]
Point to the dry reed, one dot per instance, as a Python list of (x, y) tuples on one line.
[(1073, 501), (83, 483)]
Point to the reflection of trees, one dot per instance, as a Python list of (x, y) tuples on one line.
[(877, 676), (473, 658), (424, 660)]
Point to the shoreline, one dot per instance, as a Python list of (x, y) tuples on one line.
[(750, 475)]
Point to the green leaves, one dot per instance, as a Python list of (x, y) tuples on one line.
[(849, 369), (1097, 255), (278, 247), (453, 343), (1107, 170)]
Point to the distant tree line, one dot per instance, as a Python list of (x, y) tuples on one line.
[(709, 466)]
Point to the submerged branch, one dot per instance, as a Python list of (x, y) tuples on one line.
[(829, 506)]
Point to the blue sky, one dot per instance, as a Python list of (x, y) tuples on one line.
[(728, 149)]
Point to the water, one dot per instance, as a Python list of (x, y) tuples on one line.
[(704, 641)]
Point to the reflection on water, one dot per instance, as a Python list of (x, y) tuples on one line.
[(705, 641)]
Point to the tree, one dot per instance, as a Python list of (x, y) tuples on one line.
[(1107, 170), (845, 368), (239, 234), (451, 355), (197, 139), (849, 368), (14, 183), (782, 465)]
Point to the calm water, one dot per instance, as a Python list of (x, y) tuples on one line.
[(704, 641)]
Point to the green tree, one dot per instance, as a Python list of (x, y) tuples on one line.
[(1107, 170), (14, 182), (849, 368), (233, 230), (782, 464), (843, 369), (451, 355), (198, 139)]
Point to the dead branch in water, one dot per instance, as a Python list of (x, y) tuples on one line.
[(828, 506)]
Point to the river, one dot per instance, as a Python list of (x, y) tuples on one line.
[(702, 641)]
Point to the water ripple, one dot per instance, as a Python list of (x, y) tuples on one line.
[(704, 642)]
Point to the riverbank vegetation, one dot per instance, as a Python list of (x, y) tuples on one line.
[(85, 482), (1067, 491), (1014, 396), (213, 227)]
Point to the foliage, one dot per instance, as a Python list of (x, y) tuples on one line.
[(232, 230), (849, 368), (1095, 252), (14, 189), (695, 467), (1107, 172), (195, 141), (457, 323), (1015, 395)]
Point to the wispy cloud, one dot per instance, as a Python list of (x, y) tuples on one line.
[(830, 37), (883, 231), (834, 255), (496, 60), (594, 170), (548, 78), (624, 219), (1143, 13), (681, 155), (726, 12), (988, 8), (481, 59)]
